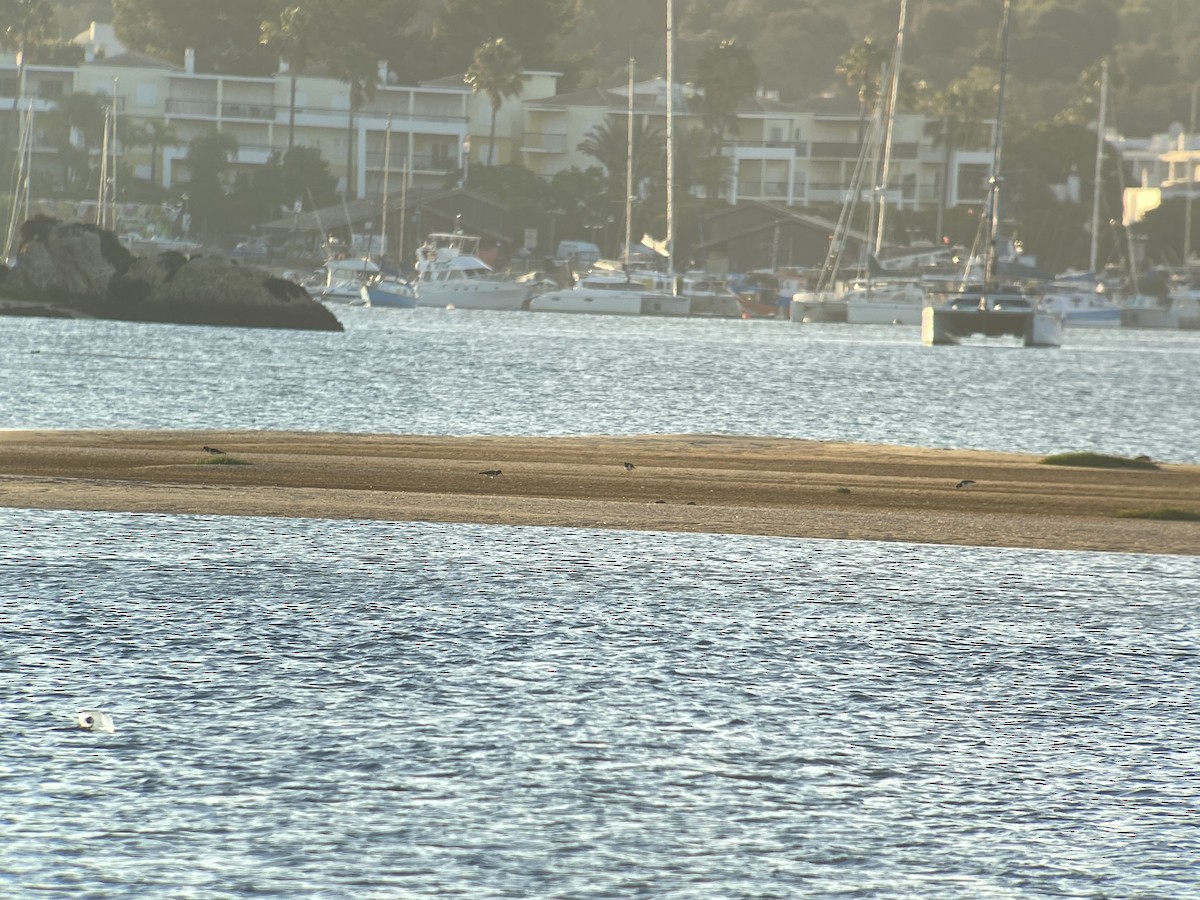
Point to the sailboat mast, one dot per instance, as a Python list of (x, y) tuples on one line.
[(1191, 183), (387, 171), (629, 168), (989, 268), (670, 240), (20, 181), (1094, 258), (403, 199), (26, 182), (101, 202), (893, 92), (112, 191)]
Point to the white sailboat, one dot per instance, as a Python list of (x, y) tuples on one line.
[(619, 293), (881, 300), (992, 309)]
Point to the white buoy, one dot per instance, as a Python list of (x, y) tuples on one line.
[(95, 720)]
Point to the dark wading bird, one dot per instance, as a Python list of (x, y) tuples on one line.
[(213, 450), (629, 467), (965, 483), (490, 473)]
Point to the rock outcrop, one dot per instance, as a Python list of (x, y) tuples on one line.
[(79, 269)]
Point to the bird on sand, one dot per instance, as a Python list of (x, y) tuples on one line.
[(629, 467), (490, 473), (213, 450), (965, 483)]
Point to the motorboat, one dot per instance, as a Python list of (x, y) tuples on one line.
[(392, 291), (1178, 309), (344, 281), (709, 296), (450, 273), (613, 294), (1080, 305)]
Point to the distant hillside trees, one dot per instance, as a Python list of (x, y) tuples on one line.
[(533, 28), (224, 33)]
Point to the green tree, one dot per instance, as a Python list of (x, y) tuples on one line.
[(495, 71), (78, 126), (295, 37), (353, 52), (209, 158), (700, 166), (725, 74), (155, 133), (26, 23)]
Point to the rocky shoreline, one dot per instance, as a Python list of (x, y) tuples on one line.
[(76, 270)]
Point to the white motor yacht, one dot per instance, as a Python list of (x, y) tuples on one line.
[(451, 274)]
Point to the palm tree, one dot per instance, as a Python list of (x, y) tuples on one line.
[(862, 67), (495, 71), (960, 111), (153, 133), (295, 37), (608, 144), (726, 74)]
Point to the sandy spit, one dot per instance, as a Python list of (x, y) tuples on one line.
[(700, 483)]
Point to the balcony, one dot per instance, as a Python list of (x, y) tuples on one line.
[(767, 149), (774, 190), (835, 150), (191, 109), (253, 112), (535, 142), (420, 162)]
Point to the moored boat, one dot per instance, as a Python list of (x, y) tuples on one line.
[(605, 293), (451, 273), (885, 304)]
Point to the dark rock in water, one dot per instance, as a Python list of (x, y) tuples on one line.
[(82, 270)]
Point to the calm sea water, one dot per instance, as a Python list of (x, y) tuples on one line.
[(461, 372), (366, 709)]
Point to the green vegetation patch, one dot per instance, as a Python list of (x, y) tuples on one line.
[(1161, 513), (1098, 461), (223, 460)]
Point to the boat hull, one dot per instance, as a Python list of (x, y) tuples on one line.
[(817, 306), (610, 303), (483, 295), (390, 298), (941, 326)]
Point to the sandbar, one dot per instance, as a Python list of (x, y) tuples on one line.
[(688, 482)]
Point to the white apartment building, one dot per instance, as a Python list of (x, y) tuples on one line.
[(799, 154)]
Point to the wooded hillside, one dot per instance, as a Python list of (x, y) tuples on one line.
[(1154, 44)]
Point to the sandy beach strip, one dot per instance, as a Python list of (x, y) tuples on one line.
[(695, 483)]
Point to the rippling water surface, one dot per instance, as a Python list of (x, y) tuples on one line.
[(428, 371), (363, 709)]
